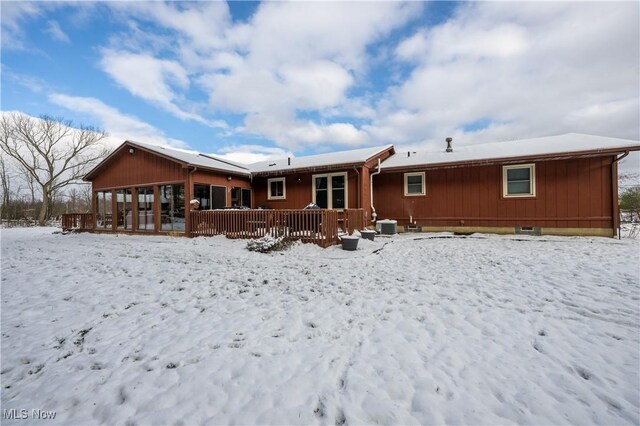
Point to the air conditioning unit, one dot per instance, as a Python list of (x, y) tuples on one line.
[(387, 227)]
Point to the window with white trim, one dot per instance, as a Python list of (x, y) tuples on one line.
[(414, 184), (330, 190), (519, 181), (276, 189)]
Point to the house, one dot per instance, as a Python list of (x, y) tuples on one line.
[(147, 188), (564, 184), (337, 180)]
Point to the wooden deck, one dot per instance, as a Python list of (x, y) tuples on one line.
[(77, 222), (321, 227)]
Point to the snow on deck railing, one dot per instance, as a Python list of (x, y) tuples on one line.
[(310, 226)]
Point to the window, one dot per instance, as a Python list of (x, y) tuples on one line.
[(202, 193), (145, 208), (123, 207), (240, 197), (104, 218), (519, 181), (172, 208), (276, 189), (414, 184), (330, 190)]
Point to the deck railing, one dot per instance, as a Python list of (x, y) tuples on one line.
[(353, 220), (310, 226), (77, 221)]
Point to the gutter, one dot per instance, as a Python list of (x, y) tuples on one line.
[(374, 215)]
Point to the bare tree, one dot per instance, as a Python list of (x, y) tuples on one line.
[(51, 152), (6, 189)]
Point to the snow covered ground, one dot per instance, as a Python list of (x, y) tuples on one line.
[(417, 328)]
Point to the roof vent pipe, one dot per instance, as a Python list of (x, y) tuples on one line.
[(408, 153), (288, 161), (449, 149)]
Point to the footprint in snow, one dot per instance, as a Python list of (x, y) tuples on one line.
[(585, 374)]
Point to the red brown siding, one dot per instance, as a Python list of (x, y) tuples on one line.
[(569, 193), (299, 190), (139, 168)]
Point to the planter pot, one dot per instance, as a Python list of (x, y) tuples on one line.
[(369, 235), (349, 243)]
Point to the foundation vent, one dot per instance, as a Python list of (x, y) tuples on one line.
[(528, 230)]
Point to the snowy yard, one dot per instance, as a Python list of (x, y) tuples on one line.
[(417, 328)]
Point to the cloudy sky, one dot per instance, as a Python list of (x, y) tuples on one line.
[(271, 78)]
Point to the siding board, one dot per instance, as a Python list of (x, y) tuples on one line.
[(564, 197)]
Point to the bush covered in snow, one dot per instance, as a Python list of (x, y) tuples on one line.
[(269, 243)]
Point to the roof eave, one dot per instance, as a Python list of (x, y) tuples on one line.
[(306, 169), (515, 159)]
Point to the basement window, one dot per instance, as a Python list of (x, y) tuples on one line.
[(276, 189), (414, 184), (519, 181)]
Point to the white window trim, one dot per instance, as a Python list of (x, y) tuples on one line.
[(284, 189), (330, 189), (406, 184), (532, 174)]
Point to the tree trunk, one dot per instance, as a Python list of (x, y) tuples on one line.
[(46, 206)]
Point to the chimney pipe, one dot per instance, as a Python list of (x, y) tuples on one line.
[(449, 149)]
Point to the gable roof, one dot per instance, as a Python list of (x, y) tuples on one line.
[(187, 158), (332, 160), (560, 146)]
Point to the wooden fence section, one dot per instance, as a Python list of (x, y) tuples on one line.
[(77, 221), (310, 226), (353, 220)]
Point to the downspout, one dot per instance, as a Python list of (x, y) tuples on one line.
[(374, 215), (615, 212)]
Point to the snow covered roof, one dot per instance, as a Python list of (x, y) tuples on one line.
[(333, 159), (193, 158), (550, 146), (190, 158)]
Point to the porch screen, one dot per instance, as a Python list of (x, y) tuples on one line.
[(123, 207), (172, 208), (145, 208), (104, 217)]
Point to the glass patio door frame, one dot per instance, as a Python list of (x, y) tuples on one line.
[(329, 189)]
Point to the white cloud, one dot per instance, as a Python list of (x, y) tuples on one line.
[(119, 126), (11, 19), (527, 69), (289, 58), (152, 79), (54, 30)]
